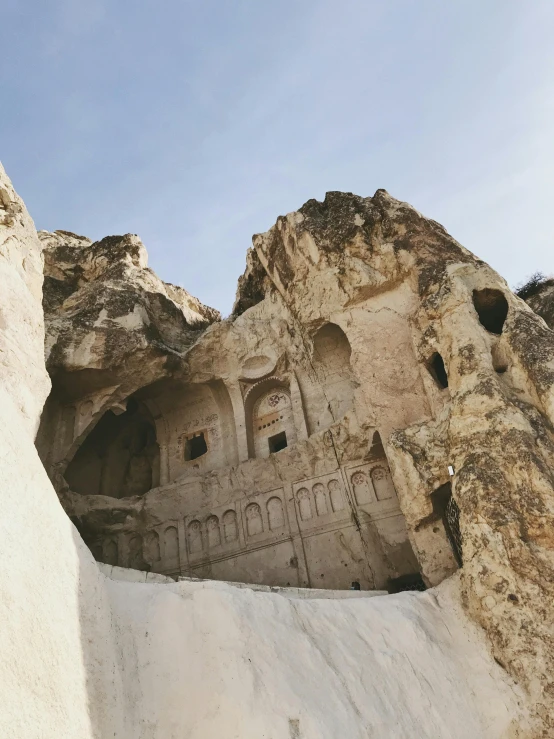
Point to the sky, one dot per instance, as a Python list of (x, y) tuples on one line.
[(196, 123)]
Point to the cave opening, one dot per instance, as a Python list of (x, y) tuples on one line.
[(119, 458), (492, 308), (438, 370)]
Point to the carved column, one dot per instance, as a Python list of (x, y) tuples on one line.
[(240, 420), (297, 408)]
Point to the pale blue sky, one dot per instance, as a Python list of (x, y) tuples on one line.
[(195, 123)]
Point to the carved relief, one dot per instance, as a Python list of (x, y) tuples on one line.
[(320, 501), (214, 533), (361, 487), (320, 498), (152, 547), (110, 552), (171, 543), (382, 483), (275, 513), (335, 494), (254, 523), (230, 530), (135, 552), (195, 537), (304, 504)]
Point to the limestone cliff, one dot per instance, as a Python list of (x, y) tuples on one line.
[(538, 292), (85, 655), (105, 307), (379, 406)]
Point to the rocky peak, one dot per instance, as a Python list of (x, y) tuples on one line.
[(103, 304)]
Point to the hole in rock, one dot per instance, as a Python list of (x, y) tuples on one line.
[(438, 370), (355, 585), (492, 309), (195, 447), (119, 458), (413, 581), (277, 442)]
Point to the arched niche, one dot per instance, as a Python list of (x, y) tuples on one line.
[(196, 425), (120, 457), (269, 416), (331, 361)]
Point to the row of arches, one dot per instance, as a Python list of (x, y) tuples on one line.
[(202, 535), (320, 500)]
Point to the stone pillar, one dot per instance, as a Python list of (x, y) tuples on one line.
[(183, 549), (240, 420), (298, 409)]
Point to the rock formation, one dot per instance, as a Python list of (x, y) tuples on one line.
[(538, 292), (377, 409)]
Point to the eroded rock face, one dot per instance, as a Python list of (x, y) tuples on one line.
[(541, 300), (307, 440), (104, 305)]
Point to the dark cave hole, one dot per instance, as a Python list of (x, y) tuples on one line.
[(492, 309), (195, 447), (413, 581), (120, 456), (438, 370)]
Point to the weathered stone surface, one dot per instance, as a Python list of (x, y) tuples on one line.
[(541, 299), (88, 656), (104, 306), (307, 440)]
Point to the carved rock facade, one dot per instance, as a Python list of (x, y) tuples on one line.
[(379, 405)]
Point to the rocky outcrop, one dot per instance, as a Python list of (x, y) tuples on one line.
[(90, 656), (389, 346), (104, 307), (538, 292), (493, 428)]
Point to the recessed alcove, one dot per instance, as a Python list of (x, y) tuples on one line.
[(269, 416), (120, 457), (331, 361), (492, 308), (438, 370)]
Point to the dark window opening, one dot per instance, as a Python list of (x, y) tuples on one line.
[(277, 442), (492, 309), (195, 447), (403, 583), (438, 370), (355, 585)]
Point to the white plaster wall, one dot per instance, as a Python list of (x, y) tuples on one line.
[(212, 661)]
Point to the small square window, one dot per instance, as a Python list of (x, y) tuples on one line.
[(195, 447), (277, 442)]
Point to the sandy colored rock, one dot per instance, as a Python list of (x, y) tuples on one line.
[(88, 656)]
